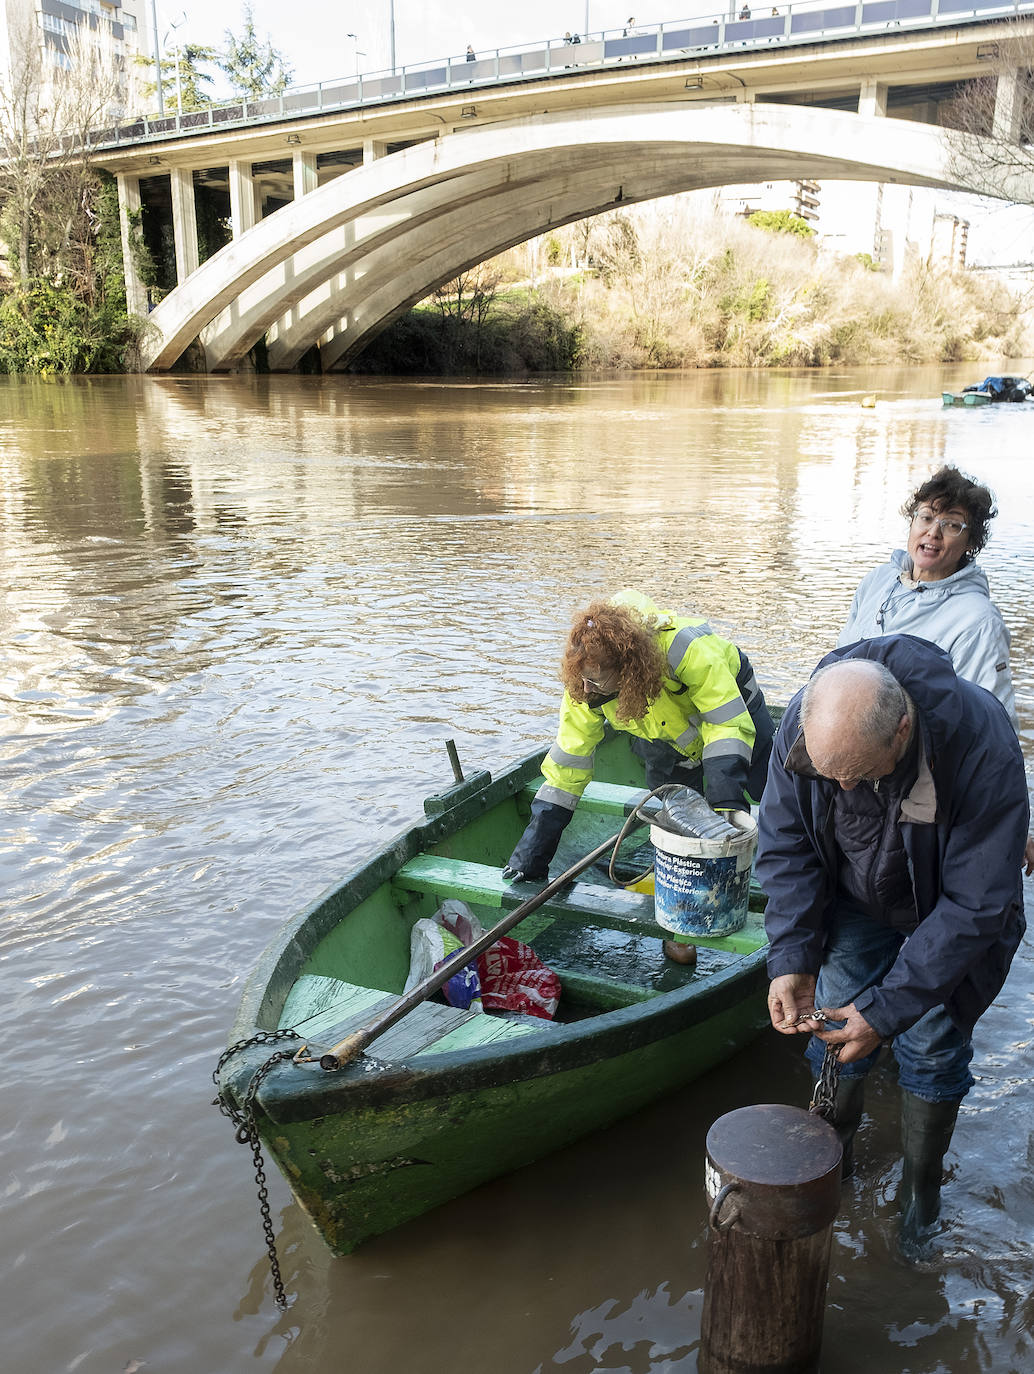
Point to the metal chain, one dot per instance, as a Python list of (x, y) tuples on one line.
[(823, 1099), (243, 1117)]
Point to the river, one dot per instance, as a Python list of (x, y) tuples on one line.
[(240, 617)]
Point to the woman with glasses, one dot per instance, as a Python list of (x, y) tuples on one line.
[(935, 589), (688, 698)]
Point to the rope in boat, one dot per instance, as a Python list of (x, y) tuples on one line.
[(635, 817), (243, 1117)]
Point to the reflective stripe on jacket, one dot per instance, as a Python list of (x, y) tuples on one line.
[(701, 710)]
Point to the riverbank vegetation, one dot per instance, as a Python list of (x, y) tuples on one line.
[(667, 287), (670, 285), (63, 302), (62, 298)]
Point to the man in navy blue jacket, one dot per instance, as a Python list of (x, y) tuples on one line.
[(891, 841)]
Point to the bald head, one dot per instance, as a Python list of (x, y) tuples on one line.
[(857, 721)]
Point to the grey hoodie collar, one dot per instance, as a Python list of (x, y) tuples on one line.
[(969, 578)]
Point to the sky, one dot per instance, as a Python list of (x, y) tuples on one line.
[(313, 34)]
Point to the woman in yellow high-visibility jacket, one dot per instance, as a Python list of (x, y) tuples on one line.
[(688, 697)]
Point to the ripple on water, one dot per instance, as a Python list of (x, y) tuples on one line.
[(241, 619)]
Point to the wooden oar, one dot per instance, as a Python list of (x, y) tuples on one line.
[(354, 1044)]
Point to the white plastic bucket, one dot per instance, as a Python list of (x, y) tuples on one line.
[(701, 887)]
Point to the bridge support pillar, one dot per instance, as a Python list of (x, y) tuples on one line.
[(305, 177), (184, 223), (129, 204), (242, 197), (373, 148), (1008, 116), (872, 99)]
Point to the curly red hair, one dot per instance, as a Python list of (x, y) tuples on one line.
[(616, 637)]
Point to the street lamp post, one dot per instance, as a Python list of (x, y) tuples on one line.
[(157, 59), (179, 86), (356, 54), (392, 34)]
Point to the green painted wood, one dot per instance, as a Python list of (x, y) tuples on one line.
[(365, 1169), (602, 798), (324, 1010), (484, 1029), (316, 1002), (462, 792), (408, 1127), (611, 907)]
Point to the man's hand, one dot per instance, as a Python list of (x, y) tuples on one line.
[(856, 1035), (1028, 856), (788, 996)]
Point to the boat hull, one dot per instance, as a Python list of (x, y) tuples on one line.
[(419, 1138), (380, 1141)]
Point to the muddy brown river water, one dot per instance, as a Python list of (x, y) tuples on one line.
[(239, 618)]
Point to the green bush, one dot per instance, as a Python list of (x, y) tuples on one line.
[(528, 335), (781, 222), (47, 329), (73, 318)]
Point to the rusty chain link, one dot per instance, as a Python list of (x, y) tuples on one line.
[(824, 1096), (243, 1117)]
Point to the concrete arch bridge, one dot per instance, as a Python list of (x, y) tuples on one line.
[(338, 264)]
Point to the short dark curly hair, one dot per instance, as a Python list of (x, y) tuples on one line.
[(949, 487)]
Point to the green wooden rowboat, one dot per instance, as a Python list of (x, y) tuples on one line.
[(447, 1099)]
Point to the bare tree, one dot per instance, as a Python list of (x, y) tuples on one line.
[(47, 114), (991, 123)]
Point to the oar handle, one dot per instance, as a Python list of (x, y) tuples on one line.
[(355, 1043)]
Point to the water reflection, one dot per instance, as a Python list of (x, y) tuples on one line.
[(240, 618)]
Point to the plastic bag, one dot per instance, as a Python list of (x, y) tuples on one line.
[(510, 975), (514, 978), (432, 944)]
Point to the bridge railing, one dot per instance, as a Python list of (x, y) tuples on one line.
[(806, 22)]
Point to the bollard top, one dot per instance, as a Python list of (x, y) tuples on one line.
[(774, 1146)]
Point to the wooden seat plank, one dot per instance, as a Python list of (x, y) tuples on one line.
[(611, 907), (602, 798), (324, 1010)]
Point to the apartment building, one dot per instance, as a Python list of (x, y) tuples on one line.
[(58, 30)]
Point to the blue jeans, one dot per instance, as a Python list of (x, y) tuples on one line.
[(933, 1055)]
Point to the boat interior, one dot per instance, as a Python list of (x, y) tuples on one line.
[(599, 936)]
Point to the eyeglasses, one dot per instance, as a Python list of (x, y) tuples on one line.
[(925, 520), (608, 683)]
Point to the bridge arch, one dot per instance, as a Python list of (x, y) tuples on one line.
[(354, 254)]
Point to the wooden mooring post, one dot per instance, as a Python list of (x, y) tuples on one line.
[(773, 1183)]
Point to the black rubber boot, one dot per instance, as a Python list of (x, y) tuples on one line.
[(926, 1130), (847, 1116)]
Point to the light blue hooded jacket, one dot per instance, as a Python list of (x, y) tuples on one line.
[(957, 613)]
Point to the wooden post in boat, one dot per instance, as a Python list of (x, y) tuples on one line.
[(773, 1182)]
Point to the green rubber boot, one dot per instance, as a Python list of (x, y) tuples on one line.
[(926, 1131)]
